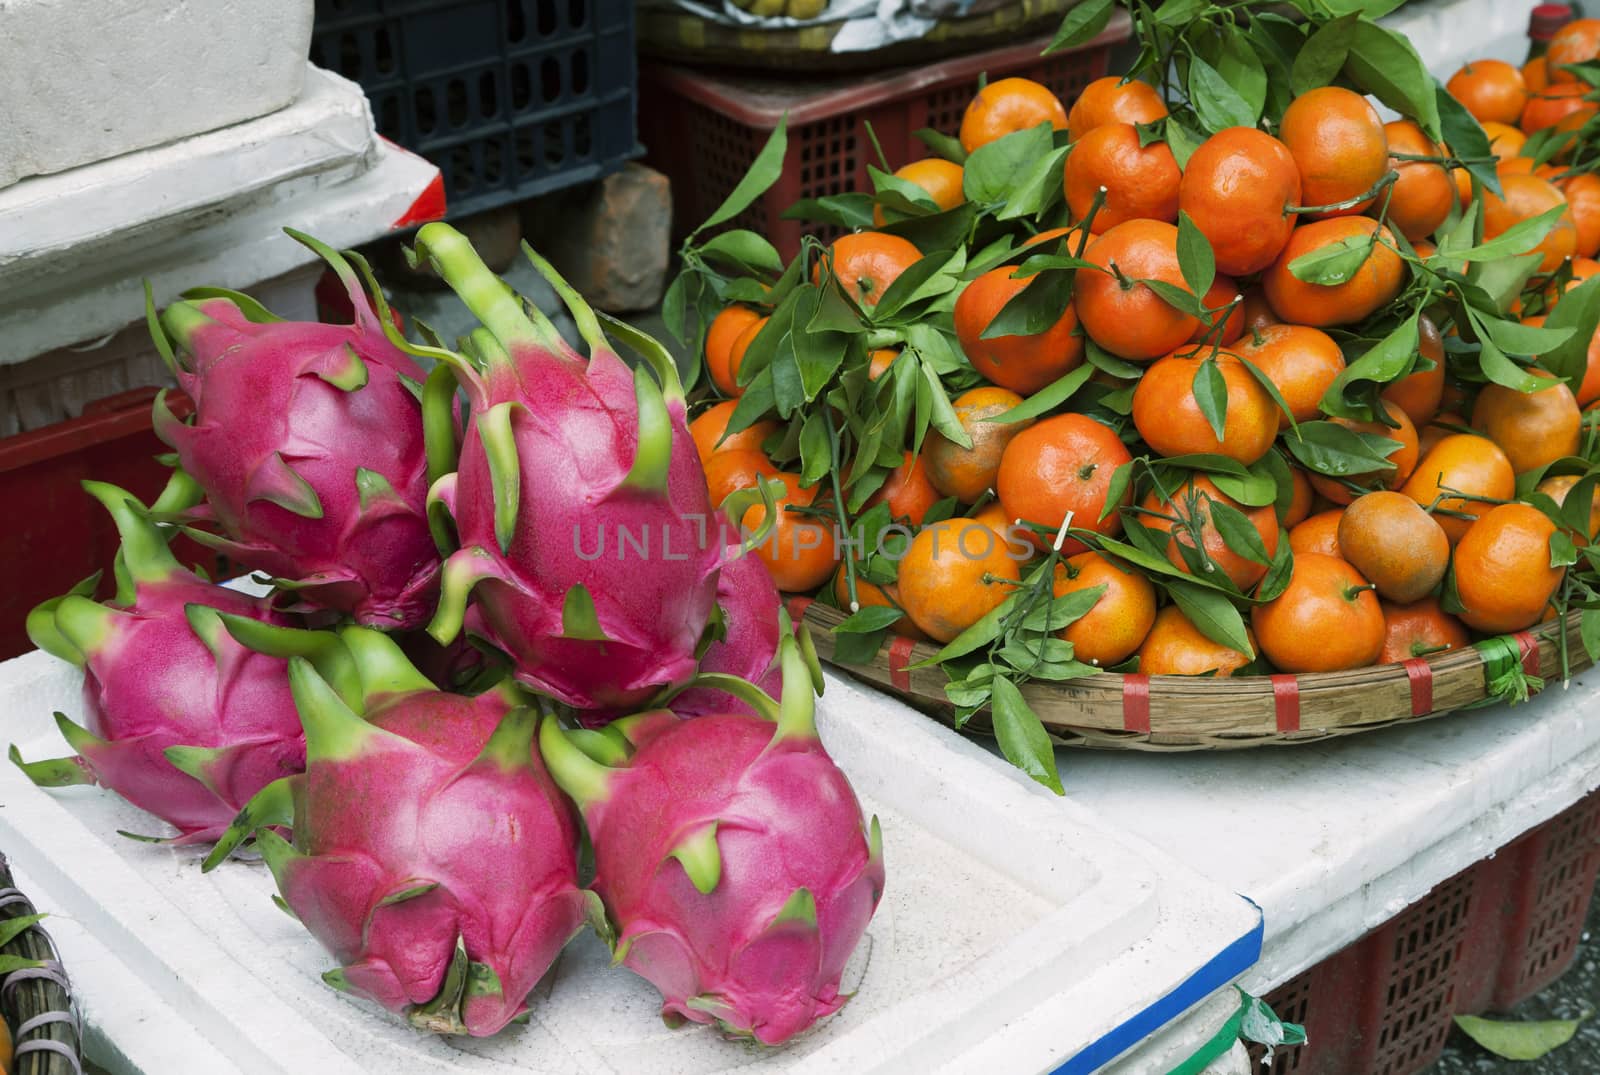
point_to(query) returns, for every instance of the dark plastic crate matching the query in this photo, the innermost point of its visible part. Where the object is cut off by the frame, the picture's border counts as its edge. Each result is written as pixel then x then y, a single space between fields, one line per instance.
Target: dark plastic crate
pixel 510 98
pixel 704 130
pixel 1485 940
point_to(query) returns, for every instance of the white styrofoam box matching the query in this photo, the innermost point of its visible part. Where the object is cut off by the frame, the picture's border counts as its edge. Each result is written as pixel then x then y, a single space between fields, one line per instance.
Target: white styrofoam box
pixel 340 184
pixel 1448 33
pixel 58 384
pixel 1013 932
pixel 1333 839
pixel 84 80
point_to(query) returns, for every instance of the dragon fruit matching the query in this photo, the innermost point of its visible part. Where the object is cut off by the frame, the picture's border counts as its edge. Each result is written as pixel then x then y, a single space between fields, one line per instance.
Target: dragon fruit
pixel 183 721
pixel 579 500
pixel 308 442
pixel 432 854
pixel 730 855
pixel 748 648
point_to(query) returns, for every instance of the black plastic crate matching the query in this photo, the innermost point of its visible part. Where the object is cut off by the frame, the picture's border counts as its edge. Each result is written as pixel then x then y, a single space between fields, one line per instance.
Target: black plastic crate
pixel 510 98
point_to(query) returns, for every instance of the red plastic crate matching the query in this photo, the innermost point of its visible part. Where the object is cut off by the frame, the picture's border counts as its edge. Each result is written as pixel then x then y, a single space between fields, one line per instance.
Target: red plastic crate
pixel 1486 939
pixel 56 534
pixel 703 131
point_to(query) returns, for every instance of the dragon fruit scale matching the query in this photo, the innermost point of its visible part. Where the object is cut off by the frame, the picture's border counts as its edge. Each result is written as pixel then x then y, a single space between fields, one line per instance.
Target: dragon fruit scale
pixel 748 649
pixel 183 721
pixel 579 499
pixel 731 857
pixel 308 441
pixel 432 854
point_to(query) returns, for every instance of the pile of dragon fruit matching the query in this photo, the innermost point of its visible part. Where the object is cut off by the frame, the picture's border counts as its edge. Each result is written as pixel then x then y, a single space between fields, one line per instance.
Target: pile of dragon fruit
pixel 447 687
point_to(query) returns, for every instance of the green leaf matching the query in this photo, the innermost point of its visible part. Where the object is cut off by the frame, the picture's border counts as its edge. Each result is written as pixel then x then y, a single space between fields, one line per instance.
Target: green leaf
pixel 900 195
pixel 764 172
pixel 1179 12
pixel 12 928
pixel 1212 614
pixel 1238 532
pixel 1589 630
pixel 1332 449
pixel 942 414
pixel 1109 363
pixel 1465 138
pixel 1218 104
pixel 1520 238
pixel 992 170
pixel 816 450
pixel 850 211
pixel 1518 1041
pixel 1035 308
pixel 1276 580
pixel 1047 398
pixel 922 279
pixel 858 649
pixel 1333 264
pixel 1578 310
pixel 1182 141
pixel 1211 393
pixel 870 619
pixel 941 144
pixel 1241 69
pixel 1082 24
pixel 1038 189
pixel 938 231
pixel 1323 55
pixel 1180 299
pixel 1383 63
pixel 675 305
pixel 1195 259
pixel 1493 362
pixel 1022 737
pixel 743 249
pixel 1383 363
pixel 1513 337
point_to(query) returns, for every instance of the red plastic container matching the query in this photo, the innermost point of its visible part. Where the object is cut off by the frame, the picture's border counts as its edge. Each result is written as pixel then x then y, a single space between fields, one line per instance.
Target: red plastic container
pixel 1485 940
pixel 56 534
pixel 703 131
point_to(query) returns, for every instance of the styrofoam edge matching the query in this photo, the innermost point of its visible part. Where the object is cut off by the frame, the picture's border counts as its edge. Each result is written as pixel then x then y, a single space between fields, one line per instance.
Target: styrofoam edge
pixel 68 214
pixel 1288 951
pixel 182 969
pixel 1208 936
pixel 1183 1039
pixel 127 1029
pixel 236 252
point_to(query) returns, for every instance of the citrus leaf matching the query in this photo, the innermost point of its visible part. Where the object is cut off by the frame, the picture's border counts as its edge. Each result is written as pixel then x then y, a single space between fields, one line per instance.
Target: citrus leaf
pixel 1322 56
pixel 1211 393
pixel 1082 24
pixel 1022 737
pixel 942 144
pixel 858 649
pixel 1383 63
pixel 1195 259
pixel 1238 532
pixel 1333 264
pixel 991 171
pixel 850 211
pixel 900 195
pixel 763 172
pixel 1047 398
pixel 1218 104
pixel 1035 308
pixel 1038 188
pixel 1332 449
pixel 1241 68
pixel 1520 238
pixel 744 249
pixel 1212 614
pixel 1518 1041
pixel 1578 310
pixel 868 620
pixel 1180 299
pixel 1465 137
pixel 1386 361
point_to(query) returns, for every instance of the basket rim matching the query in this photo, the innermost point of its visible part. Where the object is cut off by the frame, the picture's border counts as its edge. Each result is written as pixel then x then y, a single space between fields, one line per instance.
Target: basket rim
pixel 1114 709
pixel 37 1003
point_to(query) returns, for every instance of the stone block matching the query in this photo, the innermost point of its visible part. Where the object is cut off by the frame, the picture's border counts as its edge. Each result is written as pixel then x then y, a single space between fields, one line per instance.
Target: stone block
pixel 610 239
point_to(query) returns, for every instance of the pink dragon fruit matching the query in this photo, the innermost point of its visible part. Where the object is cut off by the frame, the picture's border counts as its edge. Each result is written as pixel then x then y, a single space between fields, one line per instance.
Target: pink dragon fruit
pixel 580 501
pixel 731 857
pixel 183 721
pixel 433 856
pixel 308 442
pixel 748 648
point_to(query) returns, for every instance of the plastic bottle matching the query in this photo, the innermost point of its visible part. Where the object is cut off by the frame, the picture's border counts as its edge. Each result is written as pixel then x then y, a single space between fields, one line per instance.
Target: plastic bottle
pixel 1543 23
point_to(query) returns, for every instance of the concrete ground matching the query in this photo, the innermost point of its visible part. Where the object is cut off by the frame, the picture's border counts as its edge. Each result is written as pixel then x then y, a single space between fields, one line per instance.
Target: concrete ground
pixel 1575 994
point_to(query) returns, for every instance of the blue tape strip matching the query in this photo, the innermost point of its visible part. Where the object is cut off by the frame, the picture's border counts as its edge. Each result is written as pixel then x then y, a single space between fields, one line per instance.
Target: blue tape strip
pixel 1221 969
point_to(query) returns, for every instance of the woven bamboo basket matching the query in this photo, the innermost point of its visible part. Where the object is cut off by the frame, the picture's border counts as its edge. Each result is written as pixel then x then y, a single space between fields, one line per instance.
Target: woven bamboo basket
pixel 1172 713
pixel 37 1002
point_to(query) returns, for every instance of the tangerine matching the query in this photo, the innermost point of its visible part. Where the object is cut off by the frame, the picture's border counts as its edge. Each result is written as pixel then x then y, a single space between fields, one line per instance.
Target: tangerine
pixel 733 469
pixel 1301 362
pixel 1023 364
pixel 1419 629
pixel 953 574
pixel 1111 100
pixel 1168 415
pixel 1008 106
pixel 1338 143
pixel 1237 188
pixel 1555 103
pixel 907 491
pixel 1176 647
pixel 1190 511
pixel 1319 533
pixel 1118 312
pixel 1373 286
pixel 721 336
pixel 1139 181
pixel 1424 193
pixel 1503 572
pixel 1532 428
pixel 1460 463
pixel 1063 464
pixel 1576 42
pixel 865 263
pixel 1492 90
pixel 939 178
pixel 968 473
pixel 1525 197
pixel 1399 547
pixel 1338 490
pixel 1118 622
pixel 800 551
pixel 710 431
pixel 1557 487
pixel 1582 192
pixel 1325 620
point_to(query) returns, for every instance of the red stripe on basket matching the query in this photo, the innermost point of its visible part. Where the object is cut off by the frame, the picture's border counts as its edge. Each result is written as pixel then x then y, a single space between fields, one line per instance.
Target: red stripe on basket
pixel 1420 673
pixel 1530 651
pixel 797 606
pixel 899 657
pixel 1286 702
pixel 1136 703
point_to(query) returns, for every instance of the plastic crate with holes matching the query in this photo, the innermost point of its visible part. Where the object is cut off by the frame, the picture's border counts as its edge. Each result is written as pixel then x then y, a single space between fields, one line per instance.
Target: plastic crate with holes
pixel 510 98
pixel 704 130
pixel 1485 940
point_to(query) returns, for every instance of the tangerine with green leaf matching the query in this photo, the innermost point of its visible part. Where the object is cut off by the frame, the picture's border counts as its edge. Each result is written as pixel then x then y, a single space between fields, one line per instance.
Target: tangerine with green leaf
pixel 1170 416
pixel 953 574
pixel 1063 464
pixel 1022 363
pixel 1176 516
pixel 1364 291
pixel 1237 188
pixel 1118 311
pixel 1326 619
pixel 968 473
pixel 1503 573
pixel 1119 621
